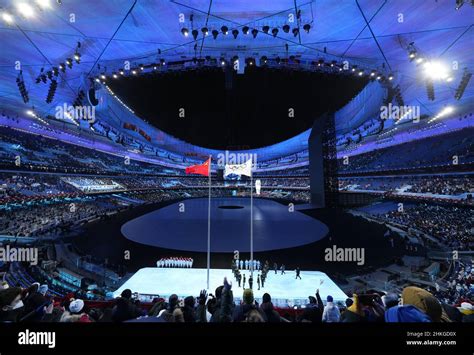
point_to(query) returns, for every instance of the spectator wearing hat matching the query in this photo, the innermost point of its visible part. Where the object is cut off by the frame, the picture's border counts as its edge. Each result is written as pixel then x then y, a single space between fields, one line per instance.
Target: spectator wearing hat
pixel 11 305
pixel 248 304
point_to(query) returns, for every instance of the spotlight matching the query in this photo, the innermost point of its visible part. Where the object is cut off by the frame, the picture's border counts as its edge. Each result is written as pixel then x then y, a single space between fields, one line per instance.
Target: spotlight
pixel 361 72
pixel 43 3
pixel 275 32
pixel 215 33
pixel 390 77
pixel 134 72
pixel 62 67
pixel 354 68
pixel 333 63
pixel 419 60
pixel 142 67
pixel 250 61
pixel 295 31
pixel 185 32
pixel 195 34
pixel 7 17
pixel 225 30
pixel 222 60
pixel 25 9
pixel 286 28
pixel 103 77
pixel 459 4
pixel 77 57
pixel 449 79
pixel 307 27
pixel 69 63
pixel 265 29
pixel 115 76
pixel 378 77
pixel 245 30
pixel 372 73
pixel 205 31
pixel 97 80
pixel 121 71
pixel 154 67
pixel 436 70
pixel 162 62
pixel 412 55
pixel 320 62
pixel 254 33
pixel 235 33
pixel 263 60
pixel 30 113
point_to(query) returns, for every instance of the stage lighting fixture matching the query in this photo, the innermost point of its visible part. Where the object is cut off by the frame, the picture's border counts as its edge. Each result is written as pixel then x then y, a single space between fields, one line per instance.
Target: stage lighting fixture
pixel 38 80
pixel 195 34
pixel 222 60
pixel 245 30
pixel 69 63
pixel 263 60
pixel 449 79
pixel 7 17
pixel 215 33
pixel 21 87
pixel 412 55
pixel 463 84
pixel 77 57
pixel 254 33
pixel 378 77
pixel 390 77
pixel 205 31
pixel 103 77
pixel 295 31
pixel 225 30
pixel 419 60
pixel 51 91
pixel 250 61
pixel 372 73
pixel 97 80
pixel 121 71
pixel 55 71
pixel 286 28
pixel 49 74
pixel 134 72
pixel 320 62
pixel 430 90
pixel 44 79
pixel 30 113
pixel 266 28
pixel 235 33
pixel 62 67
pixel 459 4
pixel 115 76
pixel 361 72
pixel 162 61
pixel 333 63
pixel 154 67
pixel 307 27
pixel 25 9
pixel 435 70
pixel 354 68
pixel 278 60
pixel 275 32
pixel 45 4
pixel 142 67
pixel 185 32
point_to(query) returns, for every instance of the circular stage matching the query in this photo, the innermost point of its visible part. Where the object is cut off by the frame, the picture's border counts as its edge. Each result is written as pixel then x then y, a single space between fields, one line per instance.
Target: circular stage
pixel 183 226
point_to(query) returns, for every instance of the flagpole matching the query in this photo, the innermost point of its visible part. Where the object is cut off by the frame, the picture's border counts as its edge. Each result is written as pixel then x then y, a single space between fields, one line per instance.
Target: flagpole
pixel 209 227
pixel 251 221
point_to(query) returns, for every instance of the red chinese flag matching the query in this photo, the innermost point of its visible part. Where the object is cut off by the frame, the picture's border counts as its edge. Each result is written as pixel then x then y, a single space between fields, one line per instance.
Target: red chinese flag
pixel 201 169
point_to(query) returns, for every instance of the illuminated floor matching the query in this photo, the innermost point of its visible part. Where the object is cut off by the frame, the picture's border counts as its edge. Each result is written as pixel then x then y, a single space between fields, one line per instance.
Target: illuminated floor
pixel 284 289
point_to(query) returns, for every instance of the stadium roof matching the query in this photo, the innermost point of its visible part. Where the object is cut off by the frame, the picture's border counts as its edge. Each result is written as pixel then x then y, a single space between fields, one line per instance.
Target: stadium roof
pixel 373 34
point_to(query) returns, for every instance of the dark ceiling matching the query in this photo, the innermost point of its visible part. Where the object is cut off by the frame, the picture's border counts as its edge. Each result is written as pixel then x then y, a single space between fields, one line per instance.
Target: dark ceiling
pixel 225 110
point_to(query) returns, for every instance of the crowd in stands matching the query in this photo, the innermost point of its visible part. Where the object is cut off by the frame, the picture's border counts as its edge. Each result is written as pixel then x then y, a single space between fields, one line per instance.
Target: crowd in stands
pixel 414 304
pixel 429 152
pixel 175 262
pixel 451 225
